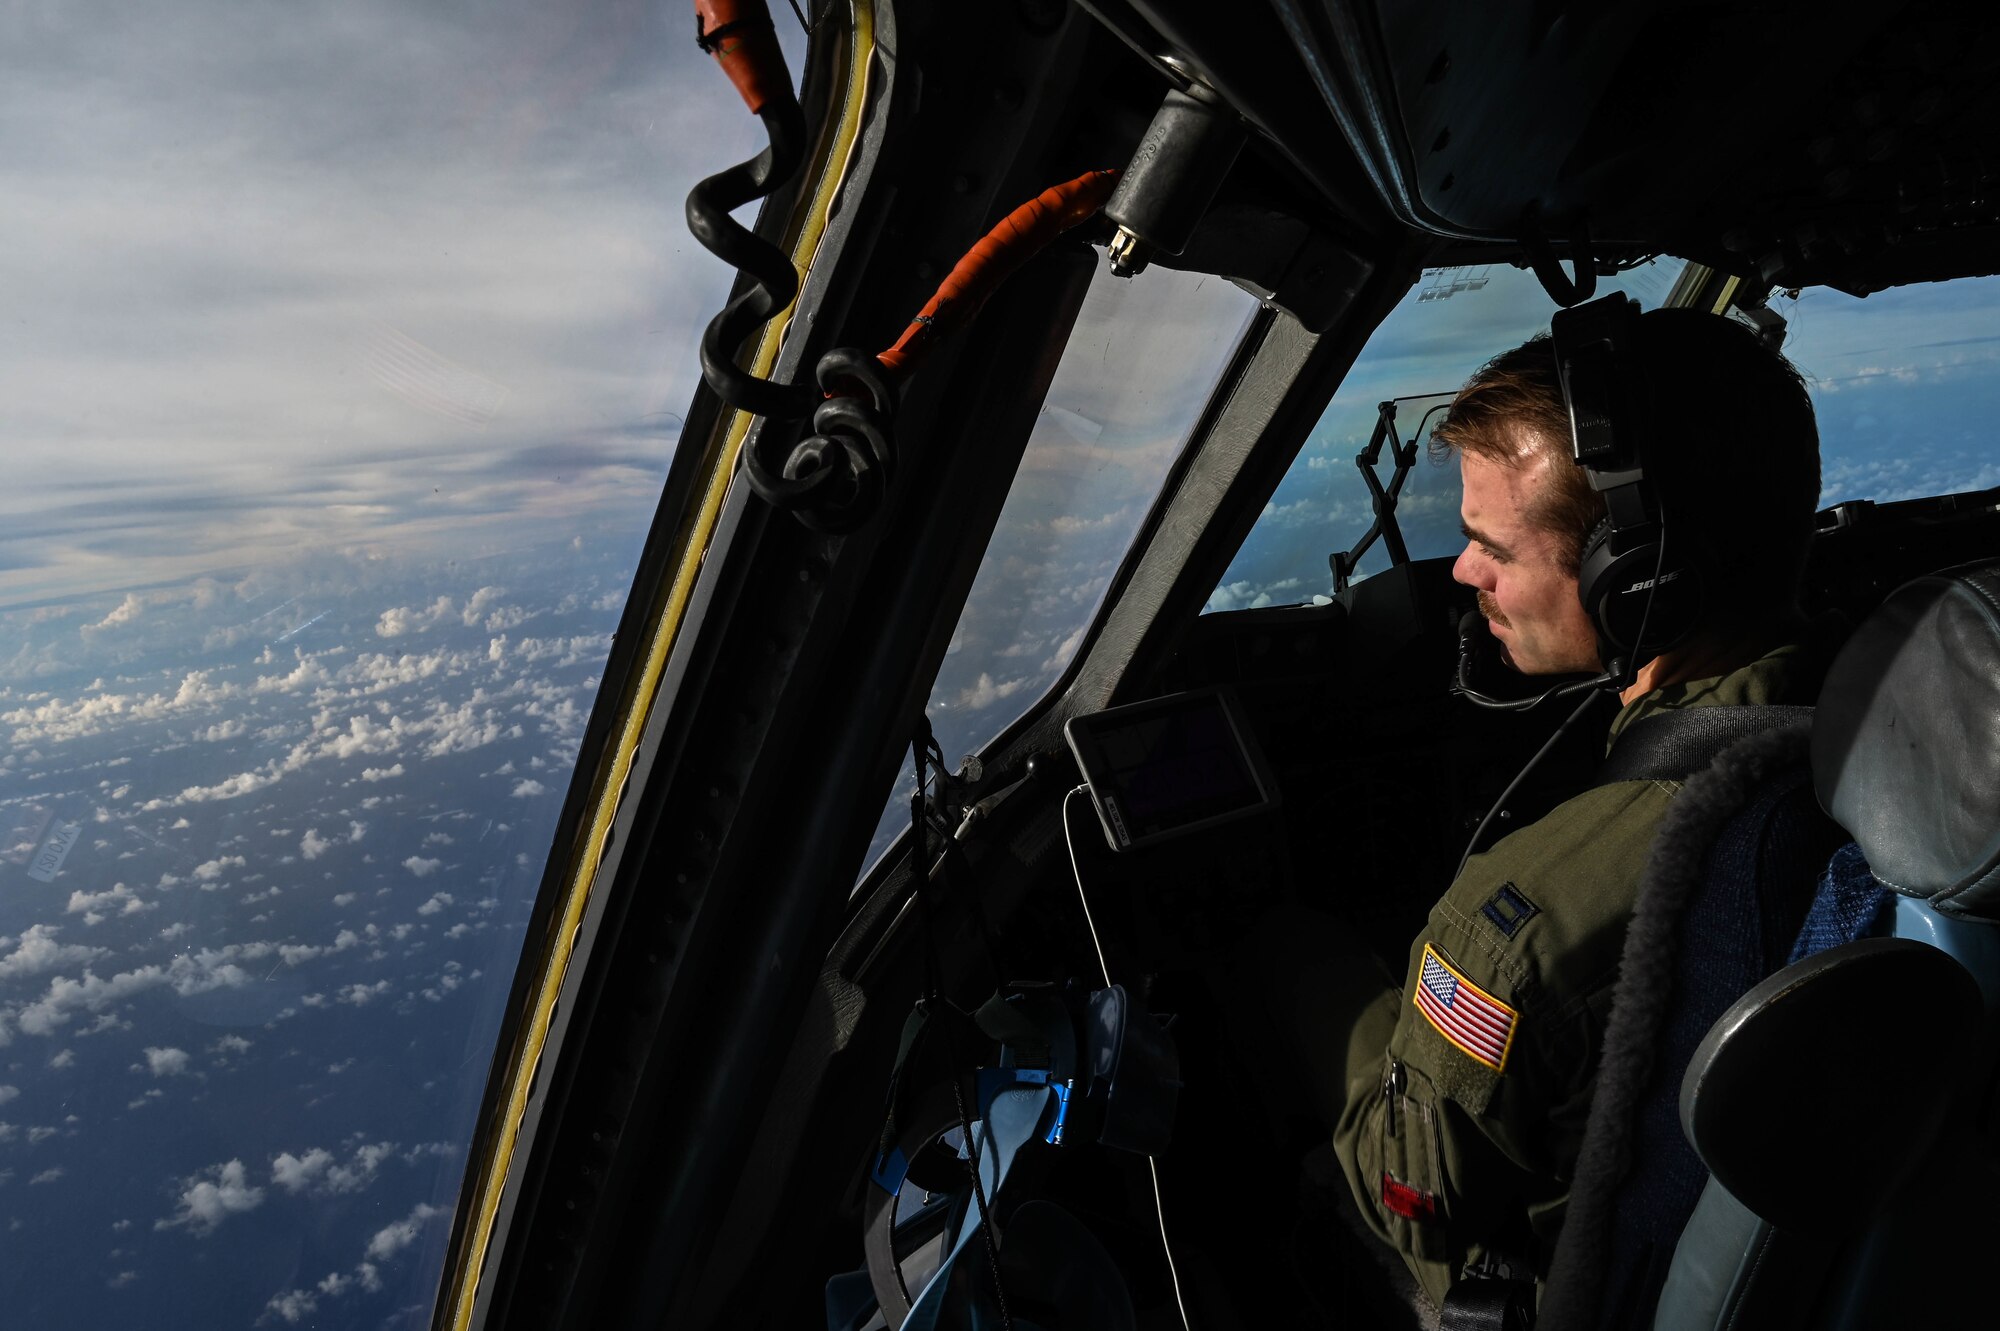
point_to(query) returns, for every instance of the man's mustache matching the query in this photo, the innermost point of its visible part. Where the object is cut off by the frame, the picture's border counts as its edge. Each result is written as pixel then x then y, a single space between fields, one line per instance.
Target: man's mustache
pixel 1491 609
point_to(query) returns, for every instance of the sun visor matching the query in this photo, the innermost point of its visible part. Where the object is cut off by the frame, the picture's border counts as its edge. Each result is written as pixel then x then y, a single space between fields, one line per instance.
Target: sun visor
pixel 1906 741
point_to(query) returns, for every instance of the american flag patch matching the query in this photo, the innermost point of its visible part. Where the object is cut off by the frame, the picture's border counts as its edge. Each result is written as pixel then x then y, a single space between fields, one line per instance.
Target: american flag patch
pixel 1463 1013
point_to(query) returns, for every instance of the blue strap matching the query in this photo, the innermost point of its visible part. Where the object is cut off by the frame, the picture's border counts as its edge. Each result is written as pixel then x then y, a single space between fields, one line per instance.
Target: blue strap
pixel 1010 1122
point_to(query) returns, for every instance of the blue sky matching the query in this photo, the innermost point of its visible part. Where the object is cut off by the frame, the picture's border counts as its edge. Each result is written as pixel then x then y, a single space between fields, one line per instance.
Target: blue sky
pixel 1903 384
pixel 346 348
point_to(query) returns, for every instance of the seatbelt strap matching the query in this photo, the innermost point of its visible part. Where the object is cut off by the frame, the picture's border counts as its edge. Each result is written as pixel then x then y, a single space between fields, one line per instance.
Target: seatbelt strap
pixel 1673 745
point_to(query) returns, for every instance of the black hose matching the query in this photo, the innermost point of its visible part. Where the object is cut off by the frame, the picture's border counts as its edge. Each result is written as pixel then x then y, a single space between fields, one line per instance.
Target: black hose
pixel 774 281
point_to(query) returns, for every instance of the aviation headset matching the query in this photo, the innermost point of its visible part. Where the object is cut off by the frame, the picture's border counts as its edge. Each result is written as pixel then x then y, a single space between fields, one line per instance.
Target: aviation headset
pixel 1642 593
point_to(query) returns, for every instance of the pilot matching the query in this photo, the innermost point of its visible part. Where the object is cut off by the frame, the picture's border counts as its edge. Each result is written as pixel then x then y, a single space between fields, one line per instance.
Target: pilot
pixel 1457 1128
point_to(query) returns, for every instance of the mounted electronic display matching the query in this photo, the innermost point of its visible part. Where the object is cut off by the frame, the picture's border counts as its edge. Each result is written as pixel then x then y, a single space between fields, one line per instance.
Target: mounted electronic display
pixel 1165 767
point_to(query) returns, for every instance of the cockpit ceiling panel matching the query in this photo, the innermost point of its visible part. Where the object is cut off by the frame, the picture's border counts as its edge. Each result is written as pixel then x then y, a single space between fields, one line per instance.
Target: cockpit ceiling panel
pixel 1800 141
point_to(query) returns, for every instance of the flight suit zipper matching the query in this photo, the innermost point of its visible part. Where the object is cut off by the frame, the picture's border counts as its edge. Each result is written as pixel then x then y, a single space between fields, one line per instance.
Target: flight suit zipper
pixel 1393 1082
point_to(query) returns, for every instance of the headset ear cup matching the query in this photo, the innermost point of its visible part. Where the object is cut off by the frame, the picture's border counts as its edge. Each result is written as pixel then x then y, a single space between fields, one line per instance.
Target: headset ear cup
pixel 1623 589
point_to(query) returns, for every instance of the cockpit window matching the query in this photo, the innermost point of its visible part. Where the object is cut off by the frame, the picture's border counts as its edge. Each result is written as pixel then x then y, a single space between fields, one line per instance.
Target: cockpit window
pixel 1906 385
pixel 344 352
pixel 1449 324
pixel 1140 364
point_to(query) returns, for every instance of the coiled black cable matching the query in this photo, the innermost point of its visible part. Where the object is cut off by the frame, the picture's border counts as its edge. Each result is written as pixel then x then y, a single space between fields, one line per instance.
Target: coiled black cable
pixel 774 282
pixel 833 479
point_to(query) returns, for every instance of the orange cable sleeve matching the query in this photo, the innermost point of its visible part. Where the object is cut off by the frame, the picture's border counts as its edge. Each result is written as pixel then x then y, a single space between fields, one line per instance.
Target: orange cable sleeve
pixel 749 53
pixel 1019 236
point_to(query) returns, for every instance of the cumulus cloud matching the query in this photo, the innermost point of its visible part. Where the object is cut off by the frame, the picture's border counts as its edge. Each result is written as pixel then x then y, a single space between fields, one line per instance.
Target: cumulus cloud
pixel 421 867
pixel 292 1306
pixel 359 995
pixel 476 604
pixel 188 973
pixel 393 1238
pixel 117 899
pixel 525 789
pixel 56 720
pixel 986 691
pixel 320 1173
pixel 166 1062
pixel 210 1197
pixel 409 619
pixel 312 845
pixel 211 870
pixel 37 951
pixel 438 901
pixel 381 773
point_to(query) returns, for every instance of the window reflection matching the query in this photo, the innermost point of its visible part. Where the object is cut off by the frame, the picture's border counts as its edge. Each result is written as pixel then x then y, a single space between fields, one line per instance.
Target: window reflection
pixel 344 357
pixel 1447 326
pixel 1139 366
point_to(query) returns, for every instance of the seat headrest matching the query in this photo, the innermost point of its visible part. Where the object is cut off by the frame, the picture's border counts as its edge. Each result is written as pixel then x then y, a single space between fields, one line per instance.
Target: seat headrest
pixel 1906 741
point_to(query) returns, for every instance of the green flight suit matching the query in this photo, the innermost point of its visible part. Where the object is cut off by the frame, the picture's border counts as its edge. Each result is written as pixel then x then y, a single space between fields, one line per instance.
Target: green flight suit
pixel 1462 1122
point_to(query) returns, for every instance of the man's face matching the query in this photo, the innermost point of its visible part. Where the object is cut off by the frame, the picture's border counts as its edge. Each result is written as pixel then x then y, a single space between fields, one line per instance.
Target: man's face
pixel 1528 597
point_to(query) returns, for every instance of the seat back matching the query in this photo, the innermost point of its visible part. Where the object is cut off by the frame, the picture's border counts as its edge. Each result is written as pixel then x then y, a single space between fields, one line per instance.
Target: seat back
pixel 1906 756
pixel 1730 879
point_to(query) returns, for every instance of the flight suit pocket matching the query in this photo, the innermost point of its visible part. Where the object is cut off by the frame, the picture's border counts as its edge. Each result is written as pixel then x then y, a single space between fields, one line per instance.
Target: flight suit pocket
pixel 1406 1175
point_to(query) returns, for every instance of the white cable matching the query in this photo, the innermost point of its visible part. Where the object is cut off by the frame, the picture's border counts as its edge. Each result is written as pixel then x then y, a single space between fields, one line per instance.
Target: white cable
pixel 1152 1162
pixel 1077 875
pixel 1160 1209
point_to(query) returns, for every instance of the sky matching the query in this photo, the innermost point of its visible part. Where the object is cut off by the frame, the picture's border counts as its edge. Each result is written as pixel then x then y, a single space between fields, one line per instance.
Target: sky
pixel 367 275
pixel 1903 383
pixel 344 354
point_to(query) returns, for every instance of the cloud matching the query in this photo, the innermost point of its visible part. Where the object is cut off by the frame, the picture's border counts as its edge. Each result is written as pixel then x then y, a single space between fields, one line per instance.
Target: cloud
pixel 58 721
pixel 405 619
pixel 98 906
pixel 422 868
pixel 127 610
pixel 8 1093
pixel 986 691
pixel 476 604
pixel 211 870
pixel 381 773
pixel 393 1238
pixel 188 973
pixel 312 845
pixel 525 788
pixel 210 1197
pixel 438 901
pixel 166 1062
pixel 49 1175
pixel 320 1173
pixel 292 1306
pixel 37 951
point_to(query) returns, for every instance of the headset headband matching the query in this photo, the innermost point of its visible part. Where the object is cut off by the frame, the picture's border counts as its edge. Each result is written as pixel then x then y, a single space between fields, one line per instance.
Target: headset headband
pixel 1630 585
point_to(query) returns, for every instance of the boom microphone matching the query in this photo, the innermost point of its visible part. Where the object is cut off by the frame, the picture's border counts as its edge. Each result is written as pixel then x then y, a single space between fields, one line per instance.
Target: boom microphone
pixel 1471 626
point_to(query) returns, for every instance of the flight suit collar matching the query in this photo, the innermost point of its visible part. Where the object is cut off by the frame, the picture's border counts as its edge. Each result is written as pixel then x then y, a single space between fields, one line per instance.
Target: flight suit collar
pixel 1788 673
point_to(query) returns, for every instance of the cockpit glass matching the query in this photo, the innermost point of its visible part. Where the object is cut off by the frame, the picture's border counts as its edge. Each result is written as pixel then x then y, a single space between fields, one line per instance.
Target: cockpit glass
pixel 344 349
pixel 1447 326
pixel 1905 383
pixel 1140 364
